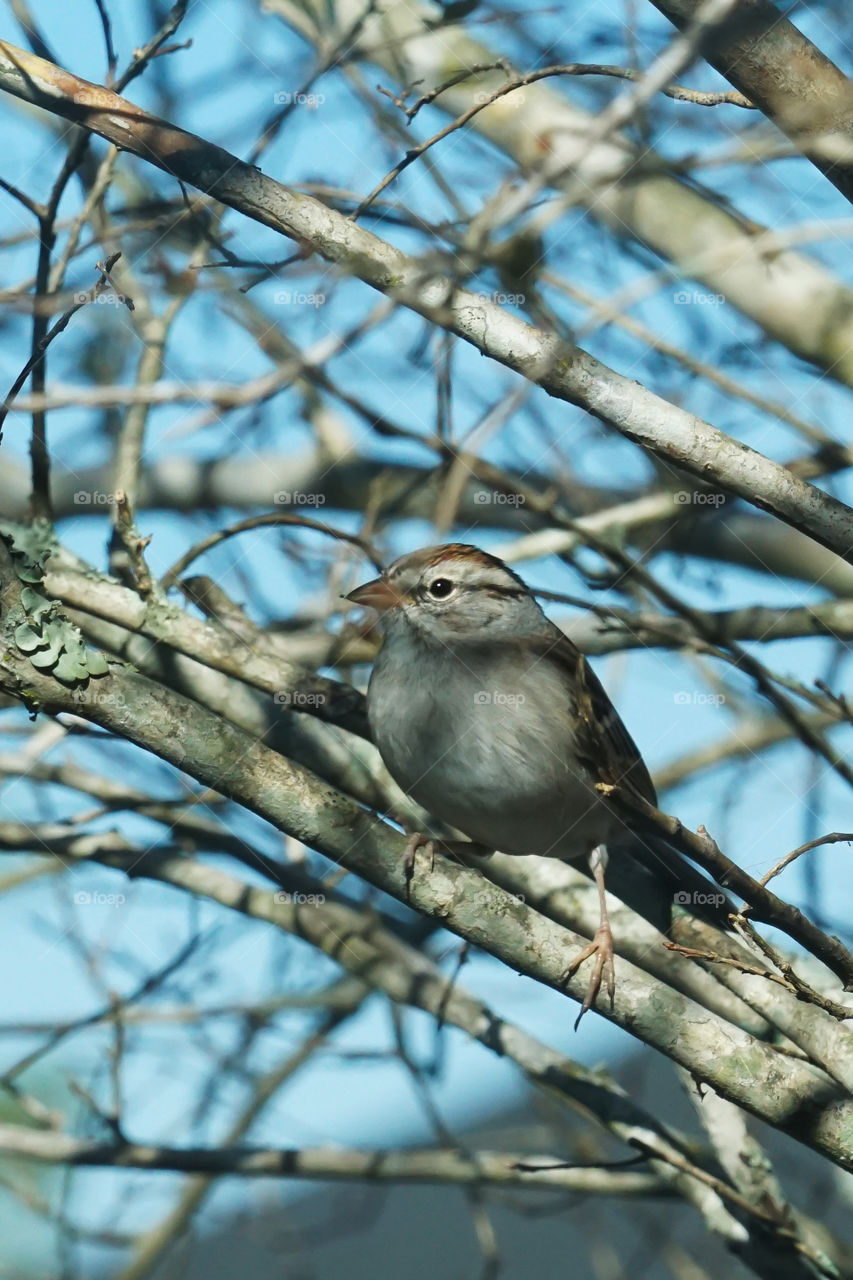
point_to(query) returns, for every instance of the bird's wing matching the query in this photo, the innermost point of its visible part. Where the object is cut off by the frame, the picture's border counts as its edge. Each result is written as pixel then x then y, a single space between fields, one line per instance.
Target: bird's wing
pixel 603 743
pixel 610 754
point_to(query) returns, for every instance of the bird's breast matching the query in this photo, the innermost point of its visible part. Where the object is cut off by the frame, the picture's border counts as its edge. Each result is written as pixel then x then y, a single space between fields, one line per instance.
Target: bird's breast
pixel 487 750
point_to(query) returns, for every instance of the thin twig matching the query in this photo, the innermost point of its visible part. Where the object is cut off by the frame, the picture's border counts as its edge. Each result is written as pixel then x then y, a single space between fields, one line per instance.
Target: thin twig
pixel 62 323
pixel 762 904
pixel 679 92
pixel 834 837
pixel 258 522
pixel 133 543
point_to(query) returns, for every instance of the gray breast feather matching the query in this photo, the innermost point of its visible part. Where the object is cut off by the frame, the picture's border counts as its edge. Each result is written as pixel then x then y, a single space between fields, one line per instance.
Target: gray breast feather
pixel 487 747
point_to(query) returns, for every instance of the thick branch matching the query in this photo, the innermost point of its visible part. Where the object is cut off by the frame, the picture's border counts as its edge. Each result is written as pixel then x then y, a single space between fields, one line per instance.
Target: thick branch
pixel 294 688
pixel 796 86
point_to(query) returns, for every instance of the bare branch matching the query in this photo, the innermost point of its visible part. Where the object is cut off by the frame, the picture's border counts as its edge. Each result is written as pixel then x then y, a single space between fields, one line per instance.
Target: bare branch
pixel 480 1168
pixel 788 77
pixel 568 373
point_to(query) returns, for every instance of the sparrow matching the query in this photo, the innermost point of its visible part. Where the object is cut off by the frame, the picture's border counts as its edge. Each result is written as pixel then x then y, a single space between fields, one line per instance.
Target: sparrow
pixel 490 718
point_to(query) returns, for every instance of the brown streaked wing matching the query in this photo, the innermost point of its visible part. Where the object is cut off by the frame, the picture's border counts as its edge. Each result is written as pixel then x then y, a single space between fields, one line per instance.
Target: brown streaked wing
pixel 604 744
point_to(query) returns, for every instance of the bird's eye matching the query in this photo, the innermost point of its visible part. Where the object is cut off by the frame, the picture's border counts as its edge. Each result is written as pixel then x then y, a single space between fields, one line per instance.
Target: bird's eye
pixel 440 588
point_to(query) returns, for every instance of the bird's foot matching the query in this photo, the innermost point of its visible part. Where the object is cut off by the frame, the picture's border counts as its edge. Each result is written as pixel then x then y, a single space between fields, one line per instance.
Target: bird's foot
pixel 459 850
pixel 602 971
pixel 416 841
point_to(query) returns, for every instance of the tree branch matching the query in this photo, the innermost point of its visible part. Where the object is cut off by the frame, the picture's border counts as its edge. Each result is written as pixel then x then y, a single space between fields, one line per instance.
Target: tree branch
pixel 567 372
pixel 753 1075
pixel 806 95
pixel 479 1168
pixel 630 189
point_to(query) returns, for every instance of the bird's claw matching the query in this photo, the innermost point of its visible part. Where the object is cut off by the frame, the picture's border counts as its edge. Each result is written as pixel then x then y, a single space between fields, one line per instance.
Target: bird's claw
pixel 416 841
pixel 602 971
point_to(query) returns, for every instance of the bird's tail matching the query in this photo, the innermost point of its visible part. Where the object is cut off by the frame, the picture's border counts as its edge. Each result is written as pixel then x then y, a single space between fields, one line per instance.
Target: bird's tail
pixel 654 879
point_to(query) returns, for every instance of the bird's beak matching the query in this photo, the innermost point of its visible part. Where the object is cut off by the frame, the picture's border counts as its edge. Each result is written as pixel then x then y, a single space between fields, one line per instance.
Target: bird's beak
pixel 377 594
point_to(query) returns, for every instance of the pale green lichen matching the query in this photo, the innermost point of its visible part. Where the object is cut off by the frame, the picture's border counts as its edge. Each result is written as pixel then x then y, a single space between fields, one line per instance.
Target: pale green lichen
pixel 39 630
pixel 32 542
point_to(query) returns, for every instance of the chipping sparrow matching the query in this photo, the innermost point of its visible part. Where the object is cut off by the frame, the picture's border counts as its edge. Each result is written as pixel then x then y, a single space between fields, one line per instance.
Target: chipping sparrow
pixel 488 716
